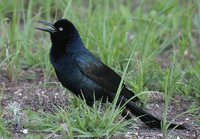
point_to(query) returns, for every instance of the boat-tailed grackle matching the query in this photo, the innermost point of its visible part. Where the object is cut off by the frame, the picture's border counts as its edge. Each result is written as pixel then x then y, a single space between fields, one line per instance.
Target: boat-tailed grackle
pixel 82 73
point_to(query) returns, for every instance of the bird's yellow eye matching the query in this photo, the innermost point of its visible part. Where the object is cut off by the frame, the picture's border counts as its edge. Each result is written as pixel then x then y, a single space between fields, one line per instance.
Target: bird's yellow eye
pixel 61 28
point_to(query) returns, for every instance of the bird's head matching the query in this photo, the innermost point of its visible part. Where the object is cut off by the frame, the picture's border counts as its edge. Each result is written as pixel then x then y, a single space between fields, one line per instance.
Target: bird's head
pixel 61 32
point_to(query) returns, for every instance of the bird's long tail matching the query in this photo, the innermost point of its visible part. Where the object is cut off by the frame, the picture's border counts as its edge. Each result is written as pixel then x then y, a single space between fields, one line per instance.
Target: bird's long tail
pixel 144 116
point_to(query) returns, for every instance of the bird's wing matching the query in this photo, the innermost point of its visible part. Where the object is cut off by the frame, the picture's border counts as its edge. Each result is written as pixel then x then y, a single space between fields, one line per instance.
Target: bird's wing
pixel 99 72
pixel 104 76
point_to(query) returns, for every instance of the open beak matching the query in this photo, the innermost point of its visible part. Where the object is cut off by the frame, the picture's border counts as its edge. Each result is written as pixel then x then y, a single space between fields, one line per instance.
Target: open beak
pixel 50 30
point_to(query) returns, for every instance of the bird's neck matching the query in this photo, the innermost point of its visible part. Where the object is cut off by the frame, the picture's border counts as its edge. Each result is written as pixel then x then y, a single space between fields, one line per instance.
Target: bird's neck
pixel 60 49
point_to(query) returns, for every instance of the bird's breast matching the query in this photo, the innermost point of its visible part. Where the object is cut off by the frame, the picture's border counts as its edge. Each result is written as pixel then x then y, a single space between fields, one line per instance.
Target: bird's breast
pixel 72 78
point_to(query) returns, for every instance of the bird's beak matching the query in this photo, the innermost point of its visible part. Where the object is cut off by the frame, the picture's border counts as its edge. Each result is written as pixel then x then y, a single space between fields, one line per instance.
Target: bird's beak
pixel 50 30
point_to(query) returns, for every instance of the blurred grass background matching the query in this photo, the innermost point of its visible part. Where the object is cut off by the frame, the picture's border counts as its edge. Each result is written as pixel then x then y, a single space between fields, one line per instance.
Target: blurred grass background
pixel 165 37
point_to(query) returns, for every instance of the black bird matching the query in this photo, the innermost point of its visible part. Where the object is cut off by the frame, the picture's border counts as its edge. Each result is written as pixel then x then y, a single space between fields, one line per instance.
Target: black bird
pixel 85 75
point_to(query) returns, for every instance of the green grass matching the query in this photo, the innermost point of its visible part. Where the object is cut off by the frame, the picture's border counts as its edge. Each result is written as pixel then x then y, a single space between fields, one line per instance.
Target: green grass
pixel 155 30
pixel 79 121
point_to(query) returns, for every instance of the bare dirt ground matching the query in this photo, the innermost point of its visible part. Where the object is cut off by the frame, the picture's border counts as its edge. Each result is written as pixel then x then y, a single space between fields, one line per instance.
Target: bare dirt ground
pixel 31 92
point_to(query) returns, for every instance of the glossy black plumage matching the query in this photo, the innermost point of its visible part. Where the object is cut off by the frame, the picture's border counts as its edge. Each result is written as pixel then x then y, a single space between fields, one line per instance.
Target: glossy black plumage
pixel 84 74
